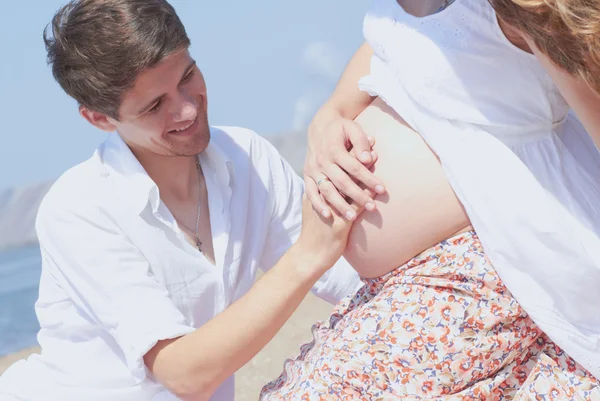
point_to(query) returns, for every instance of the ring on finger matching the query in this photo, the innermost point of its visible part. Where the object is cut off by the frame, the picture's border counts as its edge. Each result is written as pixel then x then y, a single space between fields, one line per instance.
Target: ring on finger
pixel 322 180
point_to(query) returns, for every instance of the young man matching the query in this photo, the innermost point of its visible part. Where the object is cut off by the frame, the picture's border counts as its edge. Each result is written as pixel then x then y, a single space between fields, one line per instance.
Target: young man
pixel 148 245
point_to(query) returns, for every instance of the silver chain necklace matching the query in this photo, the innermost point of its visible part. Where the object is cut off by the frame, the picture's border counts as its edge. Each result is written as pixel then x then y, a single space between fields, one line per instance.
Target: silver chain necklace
pixel 198 242
pixel 444 5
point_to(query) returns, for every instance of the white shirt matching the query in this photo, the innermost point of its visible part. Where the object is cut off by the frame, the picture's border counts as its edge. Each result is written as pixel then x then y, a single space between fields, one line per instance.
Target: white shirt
pixel 118 275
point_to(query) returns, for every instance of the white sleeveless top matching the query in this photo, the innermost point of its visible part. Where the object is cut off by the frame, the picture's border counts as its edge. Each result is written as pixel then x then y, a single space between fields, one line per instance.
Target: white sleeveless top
pixel 523 166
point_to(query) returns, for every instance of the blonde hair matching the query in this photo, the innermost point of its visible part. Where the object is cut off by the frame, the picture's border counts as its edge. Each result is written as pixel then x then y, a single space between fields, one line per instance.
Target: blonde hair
pixel 567 31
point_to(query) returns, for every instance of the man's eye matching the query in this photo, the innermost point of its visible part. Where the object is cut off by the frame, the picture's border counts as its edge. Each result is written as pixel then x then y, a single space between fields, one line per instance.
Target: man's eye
pixel 188 76
pixel 154 108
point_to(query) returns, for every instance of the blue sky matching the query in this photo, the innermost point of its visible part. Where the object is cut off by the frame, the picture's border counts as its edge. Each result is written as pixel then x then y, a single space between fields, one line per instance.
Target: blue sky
pixel 268 64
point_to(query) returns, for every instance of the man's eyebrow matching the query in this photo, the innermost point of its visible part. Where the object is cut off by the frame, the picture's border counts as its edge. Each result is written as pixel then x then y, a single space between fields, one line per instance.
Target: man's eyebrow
pixel 149 104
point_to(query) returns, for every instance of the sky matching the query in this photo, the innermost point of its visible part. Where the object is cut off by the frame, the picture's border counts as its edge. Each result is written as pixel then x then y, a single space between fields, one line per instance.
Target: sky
pixel 268 64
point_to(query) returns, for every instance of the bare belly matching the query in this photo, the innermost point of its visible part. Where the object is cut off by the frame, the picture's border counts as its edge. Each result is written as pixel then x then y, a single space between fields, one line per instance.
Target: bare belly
pixel 419 209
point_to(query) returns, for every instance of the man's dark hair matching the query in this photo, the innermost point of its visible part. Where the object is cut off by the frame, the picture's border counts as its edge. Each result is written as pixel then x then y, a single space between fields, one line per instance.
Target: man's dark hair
pixel 98 48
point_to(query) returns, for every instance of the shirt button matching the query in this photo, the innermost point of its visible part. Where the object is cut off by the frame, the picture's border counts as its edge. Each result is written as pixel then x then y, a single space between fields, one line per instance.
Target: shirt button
pixel 382 50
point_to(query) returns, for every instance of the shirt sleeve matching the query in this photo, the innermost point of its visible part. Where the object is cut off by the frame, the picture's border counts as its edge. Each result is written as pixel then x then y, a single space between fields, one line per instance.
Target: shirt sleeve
pixel 286 189
pixel 109 281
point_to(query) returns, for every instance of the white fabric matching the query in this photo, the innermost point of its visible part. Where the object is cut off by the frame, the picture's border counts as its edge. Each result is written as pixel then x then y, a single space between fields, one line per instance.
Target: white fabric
pixel 522 165
pixel 118 275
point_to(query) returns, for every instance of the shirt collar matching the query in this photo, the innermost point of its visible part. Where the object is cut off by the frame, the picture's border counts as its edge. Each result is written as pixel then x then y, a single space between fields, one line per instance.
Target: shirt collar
pixel 131 176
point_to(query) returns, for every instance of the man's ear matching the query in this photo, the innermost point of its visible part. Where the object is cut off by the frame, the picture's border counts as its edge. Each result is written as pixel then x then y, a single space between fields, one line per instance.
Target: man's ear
pixel 97 119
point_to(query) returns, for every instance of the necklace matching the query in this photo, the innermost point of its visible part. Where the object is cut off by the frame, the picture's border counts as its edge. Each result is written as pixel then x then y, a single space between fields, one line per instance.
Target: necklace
pixel 198 242
pixel 444 5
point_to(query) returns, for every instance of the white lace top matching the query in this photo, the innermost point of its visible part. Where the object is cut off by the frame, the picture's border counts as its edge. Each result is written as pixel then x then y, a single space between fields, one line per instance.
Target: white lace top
pixel 523 166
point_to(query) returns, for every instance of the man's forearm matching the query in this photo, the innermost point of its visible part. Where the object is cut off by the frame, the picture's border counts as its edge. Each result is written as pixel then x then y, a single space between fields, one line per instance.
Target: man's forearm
pixel 195 365
pixel 347 100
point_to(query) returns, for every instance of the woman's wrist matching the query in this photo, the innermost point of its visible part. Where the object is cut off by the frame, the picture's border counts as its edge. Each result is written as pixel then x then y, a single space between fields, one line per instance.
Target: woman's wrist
pixel 323 117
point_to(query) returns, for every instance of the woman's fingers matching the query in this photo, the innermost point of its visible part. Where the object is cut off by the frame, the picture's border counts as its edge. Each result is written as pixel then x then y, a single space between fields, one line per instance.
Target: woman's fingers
pixel 361 143
pixel 360 173
pixel 349 189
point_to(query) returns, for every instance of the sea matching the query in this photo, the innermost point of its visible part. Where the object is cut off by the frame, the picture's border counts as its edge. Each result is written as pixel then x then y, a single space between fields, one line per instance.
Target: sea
pixel 19 281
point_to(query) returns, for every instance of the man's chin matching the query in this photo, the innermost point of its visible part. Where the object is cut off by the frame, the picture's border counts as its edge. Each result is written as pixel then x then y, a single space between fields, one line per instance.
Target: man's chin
pixel 194 146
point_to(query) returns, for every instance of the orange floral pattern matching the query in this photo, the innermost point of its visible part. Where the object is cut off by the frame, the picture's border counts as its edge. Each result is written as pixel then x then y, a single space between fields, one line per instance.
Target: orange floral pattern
pixel 441 327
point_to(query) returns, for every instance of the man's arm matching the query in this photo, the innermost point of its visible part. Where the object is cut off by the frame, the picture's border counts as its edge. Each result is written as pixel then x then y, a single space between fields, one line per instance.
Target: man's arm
pixel 107 277
pixel 112 283
pixel 194 366
pixel 286 189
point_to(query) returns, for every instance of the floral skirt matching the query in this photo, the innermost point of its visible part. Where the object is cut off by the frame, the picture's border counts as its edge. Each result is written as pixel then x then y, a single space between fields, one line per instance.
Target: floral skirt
pixel 440 327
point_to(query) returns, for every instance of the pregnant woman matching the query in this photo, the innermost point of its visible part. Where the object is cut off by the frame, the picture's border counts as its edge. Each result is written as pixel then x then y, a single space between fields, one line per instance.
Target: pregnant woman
pixel 497 195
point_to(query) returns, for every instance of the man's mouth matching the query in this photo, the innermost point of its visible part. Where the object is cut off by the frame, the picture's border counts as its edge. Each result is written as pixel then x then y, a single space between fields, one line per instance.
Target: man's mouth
pixel 184 128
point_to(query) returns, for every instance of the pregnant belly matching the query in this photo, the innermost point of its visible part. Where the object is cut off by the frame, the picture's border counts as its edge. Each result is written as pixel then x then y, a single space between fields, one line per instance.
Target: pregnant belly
pixel 419 209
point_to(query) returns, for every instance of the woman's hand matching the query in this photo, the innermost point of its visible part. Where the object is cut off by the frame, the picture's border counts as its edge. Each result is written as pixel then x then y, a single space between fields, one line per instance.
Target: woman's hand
pixel 322 240
pixel 338 160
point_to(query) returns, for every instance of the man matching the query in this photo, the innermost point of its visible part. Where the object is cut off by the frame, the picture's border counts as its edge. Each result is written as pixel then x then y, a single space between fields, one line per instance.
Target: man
pixel 147 245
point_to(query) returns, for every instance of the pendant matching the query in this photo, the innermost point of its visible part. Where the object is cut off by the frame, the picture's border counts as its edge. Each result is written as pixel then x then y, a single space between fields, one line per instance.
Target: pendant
pixel 199 244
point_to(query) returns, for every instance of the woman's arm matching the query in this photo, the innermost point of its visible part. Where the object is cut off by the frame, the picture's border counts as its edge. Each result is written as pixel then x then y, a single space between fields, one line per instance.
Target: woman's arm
pixel 347 100
pixel 331 135
pixel 584 101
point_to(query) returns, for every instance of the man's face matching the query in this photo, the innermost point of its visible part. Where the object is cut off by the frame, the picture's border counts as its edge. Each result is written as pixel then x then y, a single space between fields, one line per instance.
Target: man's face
pixel 165 113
